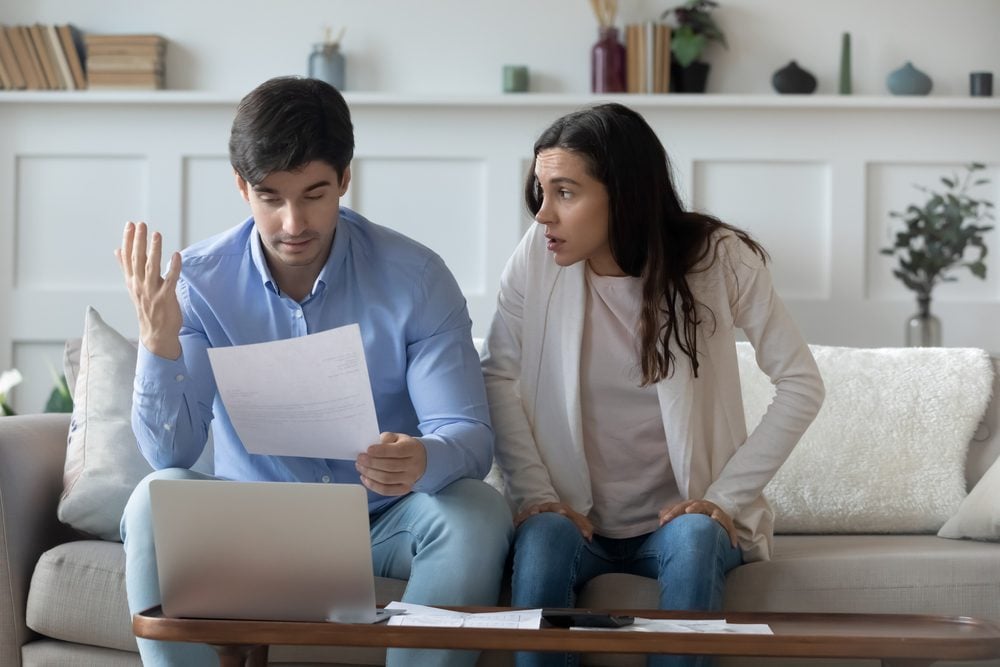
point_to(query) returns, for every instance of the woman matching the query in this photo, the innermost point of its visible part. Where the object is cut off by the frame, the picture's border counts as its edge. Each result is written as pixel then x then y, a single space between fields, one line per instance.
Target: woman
pixel 613 383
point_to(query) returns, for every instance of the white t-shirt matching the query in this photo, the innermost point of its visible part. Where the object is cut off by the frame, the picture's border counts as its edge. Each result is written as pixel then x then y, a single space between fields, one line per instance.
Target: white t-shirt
pixel 623 437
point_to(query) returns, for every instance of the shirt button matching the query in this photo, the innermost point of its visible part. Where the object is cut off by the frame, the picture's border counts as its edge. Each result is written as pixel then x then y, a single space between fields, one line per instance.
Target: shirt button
pixel 298 314
pixel 326 478
pixel 179 377
pixel 166 427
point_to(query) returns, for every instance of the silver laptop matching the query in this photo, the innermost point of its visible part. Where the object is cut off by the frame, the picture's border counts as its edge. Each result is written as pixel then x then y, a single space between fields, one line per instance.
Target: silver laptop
pixel 263 550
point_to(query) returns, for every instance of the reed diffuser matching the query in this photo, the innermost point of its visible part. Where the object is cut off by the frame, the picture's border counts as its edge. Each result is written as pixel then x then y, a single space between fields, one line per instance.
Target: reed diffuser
pixel 326 62
pixel 607 58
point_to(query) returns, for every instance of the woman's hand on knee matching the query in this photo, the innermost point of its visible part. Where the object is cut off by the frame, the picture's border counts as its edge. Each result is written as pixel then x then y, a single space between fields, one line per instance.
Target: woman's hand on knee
pixel 706 507
pixel 584 525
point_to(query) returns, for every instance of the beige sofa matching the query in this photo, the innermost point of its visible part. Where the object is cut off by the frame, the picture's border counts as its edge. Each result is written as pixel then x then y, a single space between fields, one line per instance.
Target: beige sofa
pixel 62 596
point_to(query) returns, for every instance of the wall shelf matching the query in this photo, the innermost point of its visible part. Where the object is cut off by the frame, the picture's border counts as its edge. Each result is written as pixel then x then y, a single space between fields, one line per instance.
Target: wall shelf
pixel 680 101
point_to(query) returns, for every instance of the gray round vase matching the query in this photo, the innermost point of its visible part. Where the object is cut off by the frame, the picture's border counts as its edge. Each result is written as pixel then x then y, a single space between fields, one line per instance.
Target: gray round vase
pixel 908 80
pixel 792 79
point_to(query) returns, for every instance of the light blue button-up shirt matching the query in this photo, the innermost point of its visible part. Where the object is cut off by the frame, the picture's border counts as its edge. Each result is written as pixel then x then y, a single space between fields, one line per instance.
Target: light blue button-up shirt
pixel 416 331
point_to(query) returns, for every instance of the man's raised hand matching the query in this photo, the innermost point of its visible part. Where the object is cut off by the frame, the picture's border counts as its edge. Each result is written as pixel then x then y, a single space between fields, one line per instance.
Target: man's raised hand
pixel 154 296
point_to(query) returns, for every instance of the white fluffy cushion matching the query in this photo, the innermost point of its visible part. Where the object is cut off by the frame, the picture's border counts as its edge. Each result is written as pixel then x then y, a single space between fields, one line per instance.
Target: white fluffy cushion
pixel 978 517
pixel 103 463
pixel 886 453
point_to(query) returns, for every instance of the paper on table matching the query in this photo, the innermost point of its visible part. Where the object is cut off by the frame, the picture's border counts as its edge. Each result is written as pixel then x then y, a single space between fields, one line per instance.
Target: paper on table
pixel 306 396
pixel 420 615
pixel 714 626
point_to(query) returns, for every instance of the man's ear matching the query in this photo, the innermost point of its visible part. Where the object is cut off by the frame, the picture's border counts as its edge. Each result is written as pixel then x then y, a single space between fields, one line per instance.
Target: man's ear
pixel 242 185
pixel 345 180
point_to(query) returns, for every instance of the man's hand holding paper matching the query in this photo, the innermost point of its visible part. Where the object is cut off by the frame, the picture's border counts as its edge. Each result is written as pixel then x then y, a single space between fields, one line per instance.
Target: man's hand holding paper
pixel 393 466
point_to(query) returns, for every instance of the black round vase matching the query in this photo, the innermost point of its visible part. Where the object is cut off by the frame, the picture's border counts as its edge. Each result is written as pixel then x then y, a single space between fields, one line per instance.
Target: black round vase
pixel 792 79
pixel 690 79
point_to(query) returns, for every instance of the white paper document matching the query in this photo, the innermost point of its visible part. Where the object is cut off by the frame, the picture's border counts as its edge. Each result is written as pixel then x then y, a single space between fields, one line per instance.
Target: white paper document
pixel 306 396
pixel 420 615
pixel 714 626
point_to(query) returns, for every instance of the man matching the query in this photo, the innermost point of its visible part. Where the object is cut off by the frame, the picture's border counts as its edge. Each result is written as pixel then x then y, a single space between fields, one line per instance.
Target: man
pixel 302 264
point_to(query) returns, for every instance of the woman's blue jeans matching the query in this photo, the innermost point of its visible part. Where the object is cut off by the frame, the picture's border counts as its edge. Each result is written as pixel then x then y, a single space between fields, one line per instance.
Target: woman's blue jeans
pixel 689 557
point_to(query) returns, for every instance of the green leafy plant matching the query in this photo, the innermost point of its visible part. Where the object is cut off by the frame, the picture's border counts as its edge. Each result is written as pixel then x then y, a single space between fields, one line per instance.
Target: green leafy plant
pixel 694 29
pixel 60 399
pixel 937 234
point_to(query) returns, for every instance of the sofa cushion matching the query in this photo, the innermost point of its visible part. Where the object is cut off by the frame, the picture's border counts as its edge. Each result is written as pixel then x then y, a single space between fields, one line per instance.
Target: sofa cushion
pixel 90 573
pixel 836 573
pixel 871 574
pixel 103 463
pixel 846 573
pixel 71 363
pixel 53 653
pixel 978 517
pixel 889 442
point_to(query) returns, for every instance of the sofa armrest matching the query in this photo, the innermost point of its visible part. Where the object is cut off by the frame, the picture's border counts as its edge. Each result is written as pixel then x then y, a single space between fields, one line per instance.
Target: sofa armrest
pixel 32 455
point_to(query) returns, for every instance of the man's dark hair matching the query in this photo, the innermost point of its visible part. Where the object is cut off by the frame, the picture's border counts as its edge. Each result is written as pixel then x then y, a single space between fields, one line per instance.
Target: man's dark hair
pixel 650 233
pixel 287 122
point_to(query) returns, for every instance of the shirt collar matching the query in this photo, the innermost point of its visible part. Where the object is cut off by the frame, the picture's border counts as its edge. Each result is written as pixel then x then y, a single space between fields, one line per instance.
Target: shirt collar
pixel 326 275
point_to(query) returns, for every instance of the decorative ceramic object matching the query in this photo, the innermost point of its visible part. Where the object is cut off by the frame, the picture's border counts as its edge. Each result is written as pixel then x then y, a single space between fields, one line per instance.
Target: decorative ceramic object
pixel 607 63
pixel 908 80
pixel 845 64
pixel 515 79
pixel 981 84
pixel 792 79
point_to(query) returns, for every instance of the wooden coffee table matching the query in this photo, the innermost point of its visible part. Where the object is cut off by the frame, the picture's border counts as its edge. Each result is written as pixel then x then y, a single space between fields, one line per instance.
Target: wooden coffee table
pixel 898 640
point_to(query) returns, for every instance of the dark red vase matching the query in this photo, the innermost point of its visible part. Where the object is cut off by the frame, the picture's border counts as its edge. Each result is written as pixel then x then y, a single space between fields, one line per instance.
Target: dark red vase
pixel 607 63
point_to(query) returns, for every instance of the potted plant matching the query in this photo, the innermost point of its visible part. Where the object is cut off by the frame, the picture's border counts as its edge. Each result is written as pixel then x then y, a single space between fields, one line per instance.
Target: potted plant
pixel 943 234
pixel 693 29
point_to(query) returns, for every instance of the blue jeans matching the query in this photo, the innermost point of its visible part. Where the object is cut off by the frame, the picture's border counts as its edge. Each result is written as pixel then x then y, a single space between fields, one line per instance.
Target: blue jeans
pixel 689 557
pixel 451 546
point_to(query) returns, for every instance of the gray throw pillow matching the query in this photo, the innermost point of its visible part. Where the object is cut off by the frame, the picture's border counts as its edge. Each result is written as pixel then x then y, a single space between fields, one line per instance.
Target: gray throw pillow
pixel 103 463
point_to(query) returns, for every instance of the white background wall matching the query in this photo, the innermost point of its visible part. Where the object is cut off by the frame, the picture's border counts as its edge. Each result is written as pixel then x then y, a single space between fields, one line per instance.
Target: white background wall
pixel 459 46
pixel 814 183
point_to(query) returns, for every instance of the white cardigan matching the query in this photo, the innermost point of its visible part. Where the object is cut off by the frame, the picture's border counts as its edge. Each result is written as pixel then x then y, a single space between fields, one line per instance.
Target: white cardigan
pixel 531 362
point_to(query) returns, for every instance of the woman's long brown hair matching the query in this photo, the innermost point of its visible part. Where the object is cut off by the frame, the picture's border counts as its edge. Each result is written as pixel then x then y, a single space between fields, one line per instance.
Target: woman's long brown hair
pixel 650 234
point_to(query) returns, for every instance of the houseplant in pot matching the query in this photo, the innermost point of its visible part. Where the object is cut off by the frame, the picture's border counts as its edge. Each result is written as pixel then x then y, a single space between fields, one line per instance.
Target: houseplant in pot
pixel 942 234
pixel 693 28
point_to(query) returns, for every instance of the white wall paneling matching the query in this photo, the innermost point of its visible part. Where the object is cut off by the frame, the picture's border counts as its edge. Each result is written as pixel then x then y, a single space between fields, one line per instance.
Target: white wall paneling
pixel 59 237
pixel 813 177
pixel 446 208
pixel 211 199
pixel 786 206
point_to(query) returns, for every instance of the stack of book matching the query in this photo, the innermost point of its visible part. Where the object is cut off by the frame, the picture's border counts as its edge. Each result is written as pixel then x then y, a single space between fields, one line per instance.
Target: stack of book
pixel 41 57
pixel 647 57
pixel 125 61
